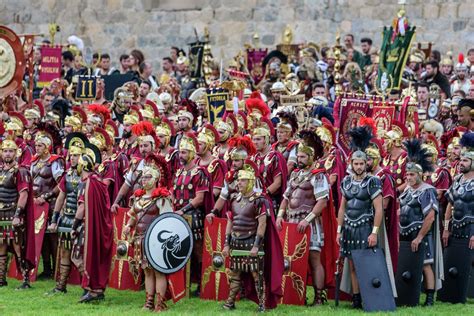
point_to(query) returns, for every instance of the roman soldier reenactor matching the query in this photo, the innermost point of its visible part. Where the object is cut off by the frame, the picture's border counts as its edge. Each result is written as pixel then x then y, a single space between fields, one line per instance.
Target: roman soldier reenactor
pixel 271 164
pixel 147 142
pixel 65 208
pixel 251 241
pixel 307 202
pixel 418 217
pixel 217 168
pixel 285 130
pixel 192 195
pixel 165 133
pixel 128 144
pixel 147 203
pixel 240 148
pixel 93 218
pixel 227 128
pixel 332 160
pixel 458 234
pixel 395 158
pixel 15 128
pixel 16 211
pixel 389 197
pixel 46 171
pixel 361 212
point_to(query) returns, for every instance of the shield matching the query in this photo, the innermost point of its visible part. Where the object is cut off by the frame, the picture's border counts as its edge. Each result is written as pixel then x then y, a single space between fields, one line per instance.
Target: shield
pixel 457 266
pixel 295 253
pixel 121 275
pixel 409 272
pixel 41 221
pixel 216 103
pixel 168 243
pixel 470 290
pixel 254 63
pixel 12 63
pixel 215 282
pixel 374 281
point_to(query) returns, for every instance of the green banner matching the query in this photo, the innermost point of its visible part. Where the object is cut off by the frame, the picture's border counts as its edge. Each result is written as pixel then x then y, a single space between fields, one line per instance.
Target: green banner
pixel 393 57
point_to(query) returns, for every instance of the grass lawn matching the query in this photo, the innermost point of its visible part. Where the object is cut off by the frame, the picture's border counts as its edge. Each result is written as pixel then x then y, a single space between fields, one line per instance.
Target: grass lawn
pixel 35 302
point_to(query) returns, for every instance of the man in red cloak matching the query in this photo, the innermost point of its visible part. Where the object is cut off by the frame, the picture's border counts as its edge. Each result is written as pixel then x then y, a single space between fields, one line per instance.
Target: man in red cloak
pixel 92 231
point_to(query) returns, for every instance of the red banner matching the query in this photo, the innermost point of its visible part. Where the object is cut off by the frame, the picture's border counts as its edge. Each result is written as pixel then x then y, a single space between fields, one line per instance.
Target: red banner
pixel 50 65
pixel 350 109
pixel 383 117
pixel 254 63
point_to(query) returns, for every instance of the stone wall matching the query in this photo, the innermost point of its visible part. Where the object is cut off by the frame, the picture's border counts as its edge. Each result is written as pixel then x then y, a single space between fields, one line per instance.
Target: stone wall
pixel 117 26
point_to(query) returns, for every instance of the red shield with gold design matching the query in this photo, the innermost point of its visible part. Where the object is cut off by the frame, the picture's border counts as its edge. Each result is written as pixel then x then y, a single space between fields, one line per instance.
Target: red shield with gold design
pixel 214 283
pixel 41 221
pixel 295 253
pixel 126 271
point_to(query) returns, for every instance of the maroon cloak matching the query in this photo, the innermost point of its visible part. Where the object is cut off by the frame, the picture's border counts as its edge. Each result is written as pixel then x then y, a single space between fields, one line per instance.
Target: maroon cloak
pixel 98 232
pixel 28 250
pixel 390 213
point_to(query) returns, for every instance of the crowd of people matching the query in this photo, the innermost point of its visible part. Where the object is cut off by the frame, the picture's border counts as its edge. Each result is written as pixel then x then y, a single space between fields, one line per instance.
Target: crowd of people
pixel 154 148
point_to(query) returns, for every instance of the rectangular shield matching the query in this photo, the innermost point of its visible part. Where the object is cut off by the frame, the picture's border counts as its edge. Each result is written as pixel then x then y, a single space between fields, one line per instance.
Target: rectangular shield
pixel 409 272
pixel 41 221
pixel 113 82
pixel 295 253
pixel 121 276
pixel 374 281
pixel 215 282
pixel 457 267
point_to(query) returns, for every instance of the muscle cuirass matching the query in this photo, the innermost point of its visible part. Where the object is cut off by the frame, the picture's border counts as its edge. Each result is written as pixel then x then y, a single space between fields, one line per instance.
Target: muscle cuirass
pixel 43 180
pixel 411 214
pixel 359 202
pixel 8 190
pixel 301 198
pixel 244 217
pixel 463 208
pixel 147 211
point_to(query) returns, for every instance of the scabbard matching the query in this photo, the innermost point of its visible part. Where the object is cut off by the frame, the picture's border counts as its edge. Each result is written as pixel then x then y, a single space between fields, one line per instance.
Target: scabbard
pixel 244 253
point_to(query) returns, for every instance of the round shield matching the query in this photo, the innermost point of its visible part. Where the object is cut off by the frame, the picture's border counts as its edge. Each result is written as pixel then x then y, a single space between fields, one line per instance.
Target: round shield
pixel 168 243
pixel 12 61
pixel 432 110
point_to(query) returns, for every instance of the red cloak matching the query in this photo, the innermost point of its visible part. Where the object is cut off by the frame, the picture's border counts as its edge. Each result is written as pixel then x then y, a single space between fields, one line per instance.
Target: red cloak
pixel 28 251
pixel 98 230
pixel 330 250
pixel 390 212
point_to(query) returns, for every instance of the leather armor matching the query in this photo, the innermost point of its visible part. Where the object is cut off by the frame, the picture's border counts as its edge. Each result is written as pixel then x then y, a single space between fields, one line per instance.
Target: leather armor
pixel 462 196
pixel 245 212
pixel 359 196
pixel 146 211
pixel 411 214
